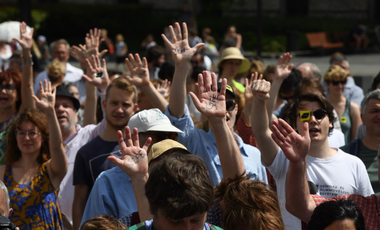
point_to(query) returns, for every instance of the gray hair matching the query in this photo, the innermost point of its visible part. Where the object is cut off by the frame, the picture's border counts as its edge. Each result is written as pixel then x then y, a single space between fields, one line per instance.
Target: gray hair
pixel 315 71
pixel 375 94
pixel 4 188
pixel 63 41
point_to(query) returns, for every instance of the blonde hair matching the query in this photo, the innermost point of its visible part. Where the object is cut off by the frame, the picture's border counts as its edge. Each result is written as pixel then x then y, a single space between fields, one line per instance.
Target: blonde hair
pixel 335 73
pixel 56 71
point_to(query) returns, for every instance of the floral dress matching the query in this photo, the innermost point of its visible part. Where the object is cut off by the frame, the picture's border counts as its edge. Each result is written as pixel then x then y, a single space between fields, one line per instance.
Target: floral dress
pixel 34 204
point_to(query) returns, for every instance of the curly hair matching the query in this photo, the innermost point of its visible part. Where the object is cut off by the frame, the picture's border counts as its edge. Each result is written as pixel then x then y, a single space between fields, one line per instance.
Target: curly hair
pixel 249 204
pixel 56 71
pixel 180 186
pixel 335 73
pixel 103 222
pixel 38 119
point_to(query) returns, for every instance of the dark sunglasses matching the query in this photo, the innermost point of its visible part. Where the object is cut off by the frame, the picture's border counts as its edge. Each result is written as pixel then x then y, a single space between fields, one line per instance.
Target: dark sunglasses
pixel 230 105
pixel 337 82
pixel 305 115
pixel 8 87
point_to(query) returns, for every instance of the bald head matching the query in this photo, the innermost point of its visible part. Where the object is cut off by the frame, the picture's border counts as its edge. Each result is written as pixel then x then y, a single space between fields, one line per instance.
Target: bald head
pixel 310 70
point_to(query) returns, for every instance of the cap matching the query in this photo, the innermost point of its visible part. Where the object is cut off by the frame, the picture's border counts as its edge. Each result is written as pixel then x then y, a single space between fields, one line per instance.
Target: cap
pixel 228 89
pixel 160 147
pixel 234 53
pixel 63 92
pixel 42 38
pixel 152 120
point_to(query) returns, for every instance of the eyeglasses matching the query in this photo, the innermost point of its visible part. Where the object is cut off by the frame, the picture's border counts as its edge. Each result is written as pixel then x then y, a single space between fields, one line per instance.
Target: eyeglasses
pixel 31 133
pixel 230 105
pixel 8 87
pixel 337 82
pixel 305 115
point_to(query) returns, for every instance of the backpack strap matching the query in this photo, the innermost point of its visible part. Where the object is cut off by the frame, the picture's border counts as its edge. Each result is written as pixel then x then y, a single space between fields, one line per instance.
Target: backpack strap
pixel 140 226
pixel 355 147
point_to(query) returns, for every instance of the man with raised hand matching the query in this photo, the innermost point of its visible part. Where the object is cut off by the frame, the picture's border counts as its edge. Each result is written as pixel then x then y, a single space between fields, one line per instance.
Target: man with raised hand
pixel 197 141
pixel 332 171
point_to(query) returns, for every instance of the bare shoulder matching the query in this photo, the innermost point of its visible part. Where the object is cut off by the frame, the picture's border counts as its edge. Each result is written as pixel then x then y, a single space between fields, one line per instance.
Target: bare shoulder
pixel 354 107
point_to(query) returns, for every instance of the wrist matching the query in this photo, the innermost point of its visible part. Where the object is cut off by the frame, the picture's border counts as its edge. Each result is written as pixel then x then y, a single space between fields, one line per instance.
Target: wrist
pixel 139 178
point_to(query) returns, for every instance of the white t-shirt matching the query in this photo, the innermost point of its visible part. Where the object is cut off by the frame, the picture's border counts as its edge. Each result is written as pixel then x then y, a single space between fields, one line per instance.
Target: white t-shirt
pixel 339 175
pixel 336 139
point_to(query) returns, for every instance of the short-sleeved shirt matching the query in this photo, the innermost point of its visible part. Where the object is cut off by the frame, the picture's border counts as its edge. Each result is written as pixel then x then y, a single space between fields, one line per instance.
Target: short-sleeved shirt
pixel 369 158
pixel 91 160
pixel 203 145
pixel 369 206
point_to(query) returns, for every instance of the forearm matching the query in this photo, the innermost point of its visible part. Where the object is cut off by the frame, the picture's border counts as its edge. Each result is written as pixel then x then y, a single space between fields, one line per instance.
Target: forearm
pixel 178 90
pixel 260 128
pixel 58 159
pixel 89 116
pixel 79 204
pixel 156 99
pixel 27 81
pixel 142 202
pixel 247 112
pixel 298 199
pixel 272 100
pixel 228 150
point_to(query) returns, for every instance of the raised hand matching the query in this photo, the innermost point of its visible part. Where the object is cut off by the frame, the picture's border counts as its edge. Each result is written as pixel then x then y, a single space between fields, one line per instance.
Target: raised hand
pixel 294 145
pixel 25 40
pixel 283 68
pixel 98 74
pixel 181 50
pixel 140 74
pixel 211 103
pixel 47 95
pixel 134 160
pixel 259 87
pixel 164 88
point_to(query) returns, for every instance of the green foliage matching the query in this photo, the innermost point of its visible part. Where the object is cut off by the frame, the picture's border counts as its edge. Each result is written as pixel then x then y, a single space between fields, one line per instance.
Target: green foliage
pixel 12 13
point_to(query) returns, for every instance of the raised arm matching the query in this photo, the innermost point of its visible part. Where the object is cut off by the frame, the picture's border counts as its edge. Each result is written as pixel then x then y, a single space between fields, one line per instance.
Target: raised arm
pixel 296 147
pixel 283 69
pixel 97 77
pixel 26 42
pixel 141 79
pixel 182 54
pixel 248 98
pixel 213 106
pixel 134 162
pixel 259 120
pixel 57 164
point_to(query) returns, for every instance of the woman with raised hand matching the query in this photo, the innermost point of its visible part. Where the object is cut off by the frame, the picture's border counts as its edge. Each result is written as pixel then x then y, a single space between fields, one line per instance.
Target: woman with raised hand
pixel 35 165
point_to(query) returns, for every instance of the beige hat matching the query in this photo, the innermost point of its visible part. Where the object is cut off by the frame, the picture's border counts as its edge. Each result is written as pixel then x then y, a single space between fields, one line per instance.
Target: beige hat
pixel 160 147
pixel 234 53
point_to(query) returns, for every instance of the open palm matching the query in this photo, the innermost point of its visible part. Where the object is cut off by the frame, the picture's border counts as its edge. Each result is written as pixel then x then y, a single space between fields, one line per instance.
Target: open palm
pixel 139 72
pixel 25 40
pixel 47 95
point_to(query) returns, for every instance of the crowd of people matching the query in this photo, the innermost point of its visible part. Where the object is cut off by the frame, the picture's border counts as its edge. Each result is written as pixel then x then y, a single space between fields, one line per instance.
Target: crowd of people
pixel 171 145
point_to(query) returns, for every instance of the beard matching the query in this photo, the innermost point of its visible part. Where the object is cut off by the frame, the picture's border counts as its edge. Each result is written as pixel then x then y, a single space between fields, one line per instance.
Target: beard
pixel 117 125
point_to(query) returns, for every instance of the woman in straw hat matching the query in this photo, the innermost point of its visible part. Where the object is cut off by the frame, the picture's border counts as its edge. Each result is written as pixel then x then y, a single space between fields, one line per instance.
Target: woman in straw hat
pixel 232 62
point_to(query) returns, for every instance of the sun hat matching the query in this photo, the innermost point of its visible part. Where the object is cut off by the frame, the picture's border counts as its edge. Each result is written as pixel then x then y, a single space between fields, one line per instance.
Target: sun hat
pixel 63 92
pixel 160 147
pixel 234 53
pixel 152 120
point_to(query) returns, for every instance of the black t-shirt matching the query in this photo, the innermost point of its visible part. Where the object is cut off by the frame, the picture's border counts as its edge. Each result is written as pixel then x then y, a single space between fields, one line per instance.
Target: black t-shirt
pixel 91 160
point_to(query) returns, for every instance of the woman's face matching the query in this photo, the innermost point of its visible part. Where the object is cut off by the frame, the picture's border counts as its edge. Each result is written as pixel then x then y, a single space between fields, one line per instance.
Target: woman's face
pixel 74 91
pixel 337 87
pixel 29 138
pixel 8 95
pixel 231 67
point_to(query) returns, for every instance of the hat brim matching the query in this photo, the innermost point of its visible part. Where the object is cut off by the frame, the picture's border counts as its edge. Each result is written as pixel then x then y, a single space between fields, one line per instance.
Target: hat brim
pixel 165 128
pixel 244 65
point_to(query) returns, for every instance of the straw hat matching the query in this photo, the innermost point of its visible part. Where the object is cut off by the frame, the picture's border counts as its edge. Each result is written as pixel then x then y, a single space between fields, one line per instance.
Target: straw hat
pixel 160 147
pixel 234 53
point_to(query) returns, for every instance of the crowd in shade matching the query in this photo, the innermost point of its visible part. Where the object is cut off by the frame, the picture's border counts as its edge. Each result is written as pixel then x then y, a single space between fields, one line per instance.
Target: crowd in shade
pixel 192 135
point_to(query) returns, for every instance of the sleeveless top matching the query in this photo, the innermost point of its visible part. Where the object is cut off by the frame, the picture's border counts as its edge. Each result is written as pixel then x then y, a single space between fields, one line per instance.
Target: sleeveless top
pixel 345 122
pixel 34 204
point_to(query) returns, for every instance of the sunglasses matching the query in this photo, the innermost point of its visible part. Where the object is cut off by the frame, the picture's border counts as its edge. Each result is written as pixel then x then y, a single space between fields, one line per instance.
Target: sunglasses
pixel 305 115
pixel 230 105
pixel 8 87
pixel 337 82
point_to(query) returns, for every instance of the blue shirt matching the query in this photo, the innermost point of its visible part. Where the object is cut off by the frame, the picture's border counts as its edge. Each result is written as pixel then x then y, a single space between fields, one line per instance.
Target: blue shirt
pixel 203 145
pixel 112 194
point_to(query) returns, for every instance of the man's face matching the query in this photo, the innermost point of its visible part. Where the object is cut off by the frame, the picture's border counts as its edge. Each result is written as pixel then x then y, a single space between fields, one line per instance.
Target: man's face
pixel 66 114
pixel 156 137
pixel 371 117
pixel 60 51
pixel 344 64
pixel 231 115
pixel 119 107
pixel 318 128
pixel 196 60
pixel 194 222
pixel 160 61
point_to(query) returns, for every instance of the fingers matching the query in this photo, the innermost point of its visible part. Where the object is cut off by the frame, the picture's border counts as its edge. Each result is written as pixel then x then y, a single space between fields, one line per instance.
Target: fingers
pixel 224 85
pixel 286 126
pixel 102 53
pixel 137 57
pixel 135 137
pixel 201 87
pixel 105 72
pixel 199 46
pixel 174 38
pixel 31 31
pixel 147 144
pixel 214 83
pixel 207 81
pixel 276 132
pixel 178 30
pixel 145 62
pixel 132 60
pixel 129 66
pixel 166 40
pixel 196 101
pixel 305 131
pixel 86 78
pixel 185 33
